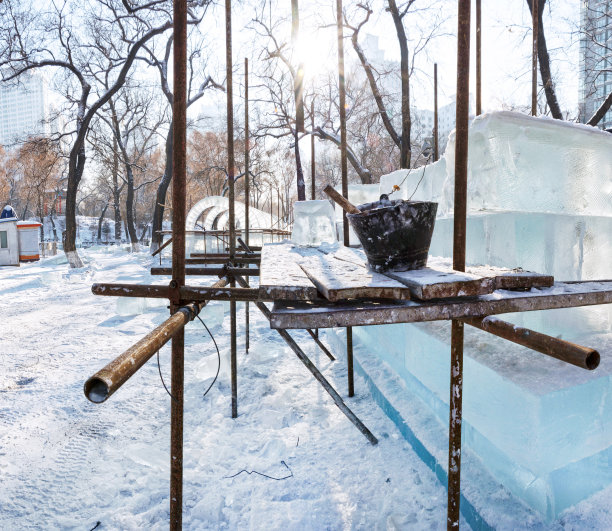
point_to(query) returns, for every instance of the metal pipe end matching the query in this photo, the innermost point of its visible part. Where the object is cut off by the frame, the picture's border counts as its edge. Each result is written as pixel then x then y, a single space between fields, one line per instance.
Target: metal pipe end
pixel 96 390
pixel 592 360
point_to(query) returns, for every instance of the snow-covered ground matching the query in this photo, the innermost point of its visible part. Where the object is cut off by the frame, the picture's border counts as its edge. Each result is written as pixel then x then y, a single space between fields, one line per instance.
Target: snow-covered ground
pixel 66 463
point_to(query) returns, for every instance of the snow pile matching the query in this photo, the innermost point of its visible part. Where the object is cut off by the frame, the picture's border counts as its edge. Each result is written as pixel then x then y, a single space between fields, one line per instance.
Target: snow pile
pixel 67 463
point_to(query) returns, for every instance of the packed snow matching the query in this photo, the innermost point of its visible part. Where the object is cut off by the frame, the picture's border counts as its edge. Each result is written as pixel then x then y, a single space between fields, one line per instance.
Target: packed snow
pixel 68 463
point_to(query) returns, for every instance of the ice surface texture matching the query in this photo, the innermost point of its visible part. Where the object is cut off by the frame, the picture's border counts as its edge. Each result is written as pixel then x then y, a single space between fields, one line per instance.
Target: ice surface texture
pixel 539 197
pixel 520 163
pixel 313 223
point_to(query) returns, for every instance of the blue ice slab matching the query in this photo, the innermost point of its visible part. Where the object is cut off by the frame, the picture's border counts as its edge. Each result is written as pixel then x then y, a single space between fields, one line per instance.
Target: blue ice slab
pixel 540 427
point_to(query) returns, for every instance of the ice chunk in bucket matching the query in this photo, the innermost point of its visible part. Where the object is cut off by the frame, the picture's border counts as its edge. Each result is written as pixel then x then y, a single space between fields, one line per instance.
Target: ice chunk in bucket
pixel 313 223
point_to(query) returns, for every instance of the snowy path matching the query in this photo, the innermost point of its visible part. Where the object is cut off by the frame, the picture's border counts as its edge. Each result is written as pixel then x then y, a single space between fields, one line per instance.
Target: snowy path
pixel 66 463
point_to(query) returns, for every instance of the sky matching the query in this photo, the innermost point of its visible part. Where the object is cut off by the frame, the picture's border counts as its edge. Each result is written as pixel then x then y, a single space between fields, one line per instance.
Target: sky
pixel 506 37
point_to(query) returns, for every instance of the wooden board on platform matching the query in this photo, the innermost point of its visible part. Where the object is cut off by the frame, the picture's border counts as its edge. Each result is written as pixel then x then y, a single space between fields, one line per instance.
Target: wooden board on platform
pixel 428 283
pixel 338 280
pixel 468 284
pixel 513 278
pixel 281 278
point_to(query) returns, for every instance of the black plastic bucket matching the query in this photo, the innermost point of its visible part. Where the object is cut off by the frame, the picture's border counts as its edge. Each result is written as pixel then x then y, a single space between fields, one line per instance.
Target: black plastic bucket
pixel 395 237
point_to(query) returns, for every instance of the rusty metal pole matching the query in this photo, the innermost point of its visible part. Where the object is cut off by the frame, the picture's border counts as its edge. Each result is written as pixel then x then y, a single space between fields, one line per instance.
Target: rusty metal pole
pixel 230 177
pixel 247 183
pixel 534 58
pixel 478 59
pixel 344 168
pixel 342 109
pixel 435 127
pixel 179 164
pixel 459 240
pixel 312 153
pixel 246 187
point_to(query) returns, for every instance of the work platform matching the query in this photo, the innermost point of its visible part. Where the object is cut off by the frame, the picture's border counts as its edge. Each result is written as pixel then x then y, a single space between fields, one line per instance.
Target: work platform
pixel 331 286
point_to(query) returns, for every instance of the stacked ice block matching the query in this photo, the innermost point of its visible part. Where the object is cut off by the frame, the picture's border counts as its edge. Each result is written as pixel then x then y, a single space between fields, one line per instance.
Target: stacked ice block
pixel 539 197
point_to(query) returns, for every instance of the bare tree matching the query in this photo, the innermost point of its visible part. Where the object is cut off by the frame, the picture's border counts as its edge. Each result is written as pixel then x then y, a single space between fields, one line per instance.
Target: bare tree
pixel 198 83
pixel 282 77
pixel 544 60
pixel 110 40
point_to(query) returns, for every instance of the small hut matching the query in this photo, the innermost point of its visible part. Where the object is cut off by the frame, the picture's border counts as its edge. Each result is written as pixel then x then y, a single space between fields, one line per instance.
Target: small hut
pixel 19 240
pixel 9 240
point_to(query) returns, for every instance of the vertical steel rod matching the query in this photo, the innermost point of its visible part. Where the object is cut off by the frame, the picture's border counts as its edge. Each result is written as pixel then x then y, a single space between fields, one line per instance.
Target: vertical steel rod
pixel 344 168
pixel 230 176
pixel 478 59
pixel 459 240
pixel 247 194
pixel 349 360
pixel 342 105
pixel 179 163
pixel 436 144
pixel 247 176
pixel 312 153
pixel 534 57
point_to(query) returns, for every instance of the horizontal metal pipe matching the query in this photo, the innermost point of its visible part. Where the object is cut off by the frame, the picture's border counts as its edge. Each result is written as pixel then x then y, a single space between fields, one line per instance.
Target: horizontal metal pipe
pixel 223 260
pixel 209 271
pixel 109 379
pixel 224 255
pixel 187 293
pixel 152 291
pixel 583 357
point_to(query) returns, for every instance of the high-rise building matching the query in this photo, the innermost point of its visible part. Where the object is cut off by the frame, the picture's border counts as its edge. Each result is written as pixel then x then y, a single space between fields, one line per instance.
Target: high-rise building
pixel 595 58
pixel 23 109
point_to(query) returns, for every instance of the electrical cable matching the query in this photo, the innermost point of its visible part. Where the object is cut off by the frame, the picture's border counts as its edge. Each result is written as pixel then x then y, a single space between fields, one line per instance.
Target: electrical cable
pixel 162 380
pixel 249 472
pixel 218 365
pixel 218 356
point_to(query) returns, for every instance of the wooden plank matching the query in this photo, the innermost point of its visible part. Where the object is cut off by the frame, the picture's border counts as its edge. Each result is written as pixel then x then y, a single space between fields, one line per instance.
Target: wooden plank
pixel 503 278
pixel 338 280
pixel 281 277
pixel 363 313
pixel 513 278
pixel 429 283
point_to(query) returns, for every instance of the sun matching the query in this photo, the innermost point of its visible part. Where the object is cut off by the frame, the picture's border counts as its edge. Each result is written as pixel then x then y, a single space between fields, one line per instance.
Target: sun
pixel 317 51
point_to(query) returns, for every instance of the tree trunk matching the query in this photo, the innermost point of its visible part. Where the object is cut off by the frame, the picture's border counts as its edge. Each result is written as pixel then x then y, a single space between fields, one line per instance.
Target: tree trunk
pixel 544 60
pixel 160 198
pixel 301 186
pixel 76 166
pixel 601 112
pixel 100 220
pixel 116 193
pixel 405 151
pixel 129 207
pixel 53 224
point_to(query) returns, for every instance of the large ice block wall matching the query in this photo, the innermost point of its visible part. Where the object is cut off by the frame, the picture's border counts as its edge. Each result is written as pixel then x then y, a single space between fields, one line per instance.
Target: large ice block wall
pixel 539 197
pixel 521 163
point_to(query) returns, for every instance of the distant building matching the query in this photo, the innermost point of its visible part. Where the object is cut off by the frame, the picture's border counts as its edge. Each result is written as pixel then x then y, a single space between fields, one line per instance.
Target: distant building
pixel 422 119
pixel 23 109
pixel 423 123
pixel 595 58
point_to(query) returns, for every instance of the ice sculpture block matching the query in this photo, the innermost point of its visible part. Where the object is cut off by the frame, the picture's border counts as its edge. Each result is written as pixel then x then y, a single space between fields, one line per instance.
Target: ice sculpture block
pixel 539 197
pixel 522 163
pixel 313 223
pixel 541 427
